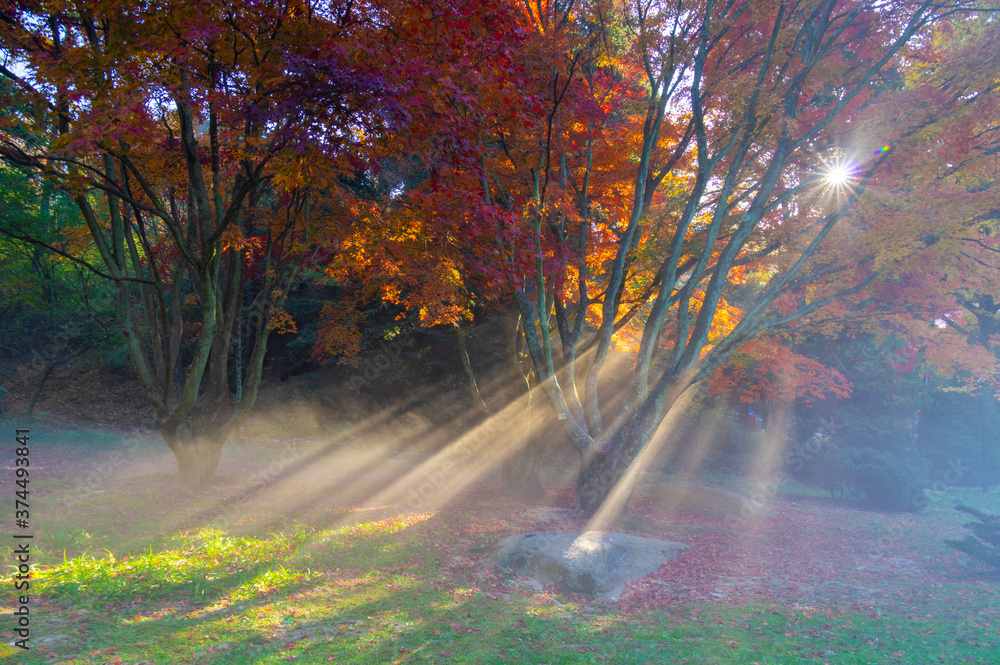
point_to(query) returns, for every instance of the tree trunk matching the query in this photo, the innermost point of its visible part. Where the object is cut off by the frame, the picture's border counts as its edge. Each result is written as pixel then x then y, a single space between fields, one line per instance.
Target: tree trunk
pixel 470 375
pixel 612 470
pixel 197 460
pixel 55 362
pixel 521 470
pixel 38 389
pixel 594 483
pixel 605 484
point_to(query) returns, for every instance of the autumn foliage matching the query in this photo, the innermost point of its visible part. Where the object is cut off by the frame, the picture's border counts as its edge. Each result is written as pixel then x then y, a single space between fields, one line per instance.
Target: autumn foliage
pixel 690 184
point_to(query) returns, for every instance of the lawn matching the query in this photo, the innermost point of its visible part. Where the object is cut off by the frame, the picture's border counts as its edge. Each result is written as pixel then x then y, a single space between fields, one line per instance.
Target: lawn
pixel 292 561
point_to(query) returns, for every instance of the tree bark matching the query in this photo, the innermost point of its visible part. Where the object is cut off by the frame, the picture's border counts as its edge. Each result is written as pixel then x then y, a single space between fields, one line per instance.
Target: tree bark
pixel 38 388
pixel 470 375
pixel 521 470
pixel 594 482
pixel 197 460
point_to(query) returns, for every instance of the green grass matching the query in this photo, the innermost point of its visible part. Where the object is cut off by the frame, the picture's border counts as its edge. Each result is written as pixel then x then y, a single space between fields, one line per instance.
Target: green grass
pixel 402 618
pixel 210 562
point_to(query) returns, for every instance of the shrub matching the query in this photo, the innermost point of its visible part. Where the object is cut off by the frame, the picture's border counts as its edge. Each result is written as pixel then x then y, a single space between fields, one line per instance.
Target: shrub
pixel 877 478
pixel 819 463
pixel 882 480
pixel 984 543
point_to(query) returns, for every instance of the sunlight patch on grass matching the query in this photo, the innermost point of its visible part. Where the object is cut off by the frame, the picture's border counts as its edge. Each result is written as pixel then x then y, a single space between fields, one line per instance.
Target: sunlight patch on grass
pixel 198 560
pixel 389 525
pixel 210 560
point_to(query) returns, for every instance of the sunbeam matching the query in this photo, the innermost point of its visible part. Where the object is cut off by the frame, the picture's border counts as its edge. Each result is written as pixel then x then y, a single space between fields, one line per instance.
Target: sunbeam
pixel 618 498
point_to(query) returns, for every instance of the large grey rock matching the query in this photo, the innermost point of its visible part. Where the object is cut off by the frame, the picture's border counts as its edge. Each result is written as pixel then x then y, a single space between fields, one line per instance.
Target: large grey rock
pixel 594 562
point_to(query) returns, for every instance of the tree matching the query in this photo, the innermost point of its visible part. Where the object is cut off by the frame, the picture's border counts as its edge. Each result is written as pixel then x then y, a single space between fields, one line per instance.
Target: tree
pixel 487 151
pixel 420 242
pixel 203 146
pixel 952 182
pixel 749 155
pixel 52 309
pixel 430 242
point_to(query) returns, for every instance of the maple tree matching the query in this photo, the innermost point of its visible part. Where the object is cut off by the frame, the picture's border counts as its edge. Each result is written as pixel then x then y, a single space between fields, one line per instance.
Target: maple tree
pixel 451 231
pixel 420 214
pixel 671 180
pixel 931 225
pixel 961 91
pixel 936 211
pixel 202 144
pixel 746 130
pixel 939 204
pixel 429 240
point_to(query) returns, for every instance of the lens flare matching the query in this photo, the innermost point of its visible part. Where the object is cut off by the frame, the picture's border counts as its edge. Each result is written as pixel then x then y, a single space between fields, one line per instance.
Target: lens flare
pixel 839 174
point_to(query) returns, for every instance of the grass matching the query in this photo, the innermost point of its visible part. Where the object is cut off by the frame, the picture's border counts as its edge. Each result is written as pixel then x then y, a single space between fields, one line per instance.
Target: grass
pixel 117 582
pixel 212 562
pixel 54 434
pixel 286 614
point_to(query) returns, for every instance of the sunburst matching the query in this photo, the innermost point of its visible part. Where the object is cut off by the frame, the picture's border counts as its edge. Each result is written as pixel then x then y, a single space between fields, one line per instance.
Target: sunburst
pixel 839 174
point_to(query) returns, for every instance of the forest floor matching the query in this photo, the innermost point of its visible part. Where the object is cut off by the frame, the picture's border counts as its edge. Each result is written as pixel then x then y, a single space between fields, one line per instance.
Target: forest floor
pixel 316 551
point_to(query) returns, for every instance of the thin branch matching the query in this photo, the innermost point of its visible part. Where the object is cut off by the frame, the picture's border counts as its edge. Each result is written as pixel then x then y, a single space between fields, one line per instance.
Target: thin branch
pixel 86 264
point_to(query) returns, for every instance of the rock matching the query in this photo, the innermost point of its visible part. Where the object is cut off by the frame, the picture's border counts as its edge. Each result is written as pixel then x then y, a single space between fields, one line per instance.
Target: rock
pixel 534 585
pixel 592 563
